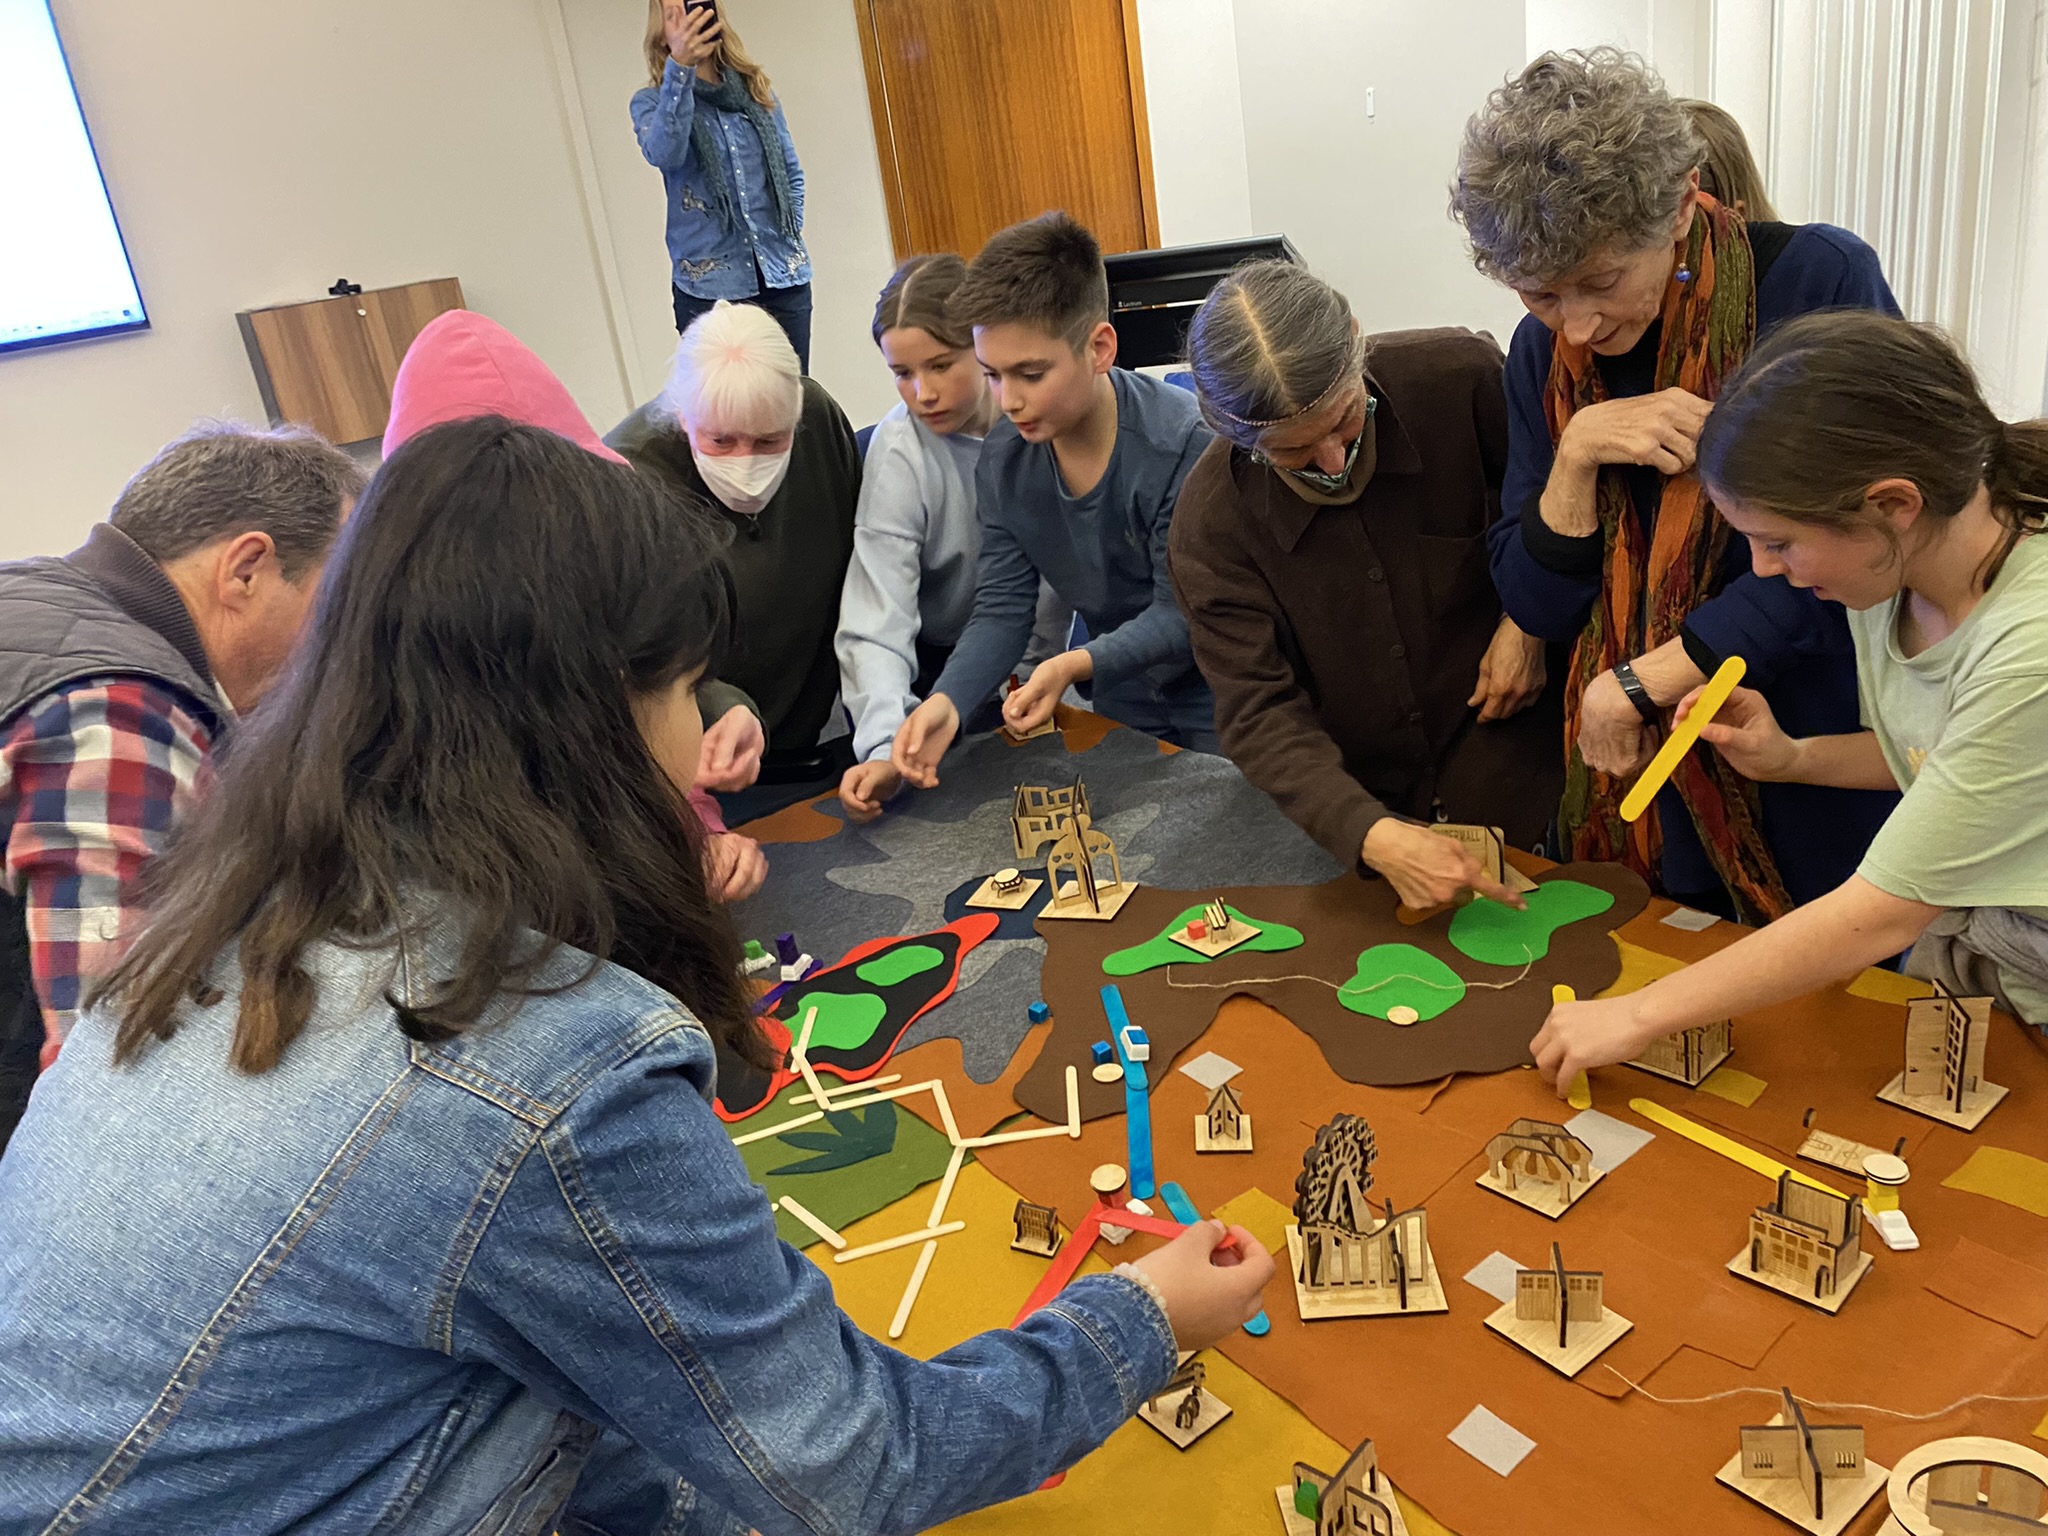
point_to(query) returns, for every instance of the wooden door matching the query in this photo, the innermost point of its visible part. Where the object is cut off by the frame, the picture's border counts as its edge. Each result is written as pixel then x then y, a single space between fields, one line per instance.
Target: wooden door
pixel 991 111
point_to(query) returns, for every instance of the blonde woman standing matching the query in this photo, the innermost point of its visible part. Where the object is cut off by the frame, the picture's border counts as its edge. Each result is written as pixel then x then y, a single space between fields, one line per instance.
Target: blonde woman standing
pixel 708 121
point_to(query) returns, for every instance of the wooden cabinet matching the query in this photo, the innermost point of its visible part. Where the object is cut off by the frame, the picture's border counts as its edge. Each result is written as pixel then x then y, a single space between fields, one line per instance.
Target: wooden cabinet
pixel 329 365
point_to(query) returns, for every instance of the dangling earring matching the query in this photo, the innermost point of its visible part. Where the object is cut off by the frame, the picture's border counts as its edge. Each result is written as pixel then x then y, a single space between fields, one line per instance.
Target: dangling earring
pixel 1684 273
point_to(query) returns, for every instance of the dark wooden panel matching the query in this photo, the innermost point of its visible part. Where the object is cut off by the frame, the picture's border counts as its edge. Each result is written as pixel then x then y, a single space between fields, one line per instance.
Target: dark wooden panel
pixel 329 364
pixel 992 111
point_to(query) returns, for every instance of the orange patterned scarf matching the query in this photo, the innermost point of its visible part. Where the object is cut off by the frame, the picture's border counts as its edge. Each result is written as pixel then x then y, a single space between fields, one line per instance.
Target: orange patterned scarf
pixel 1709 324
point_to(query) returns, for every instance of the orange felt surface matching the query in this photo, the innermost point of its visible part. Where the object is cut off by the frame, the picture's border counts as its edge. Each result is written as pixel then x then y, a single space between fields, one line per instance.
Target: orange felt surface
pixel 1662 1226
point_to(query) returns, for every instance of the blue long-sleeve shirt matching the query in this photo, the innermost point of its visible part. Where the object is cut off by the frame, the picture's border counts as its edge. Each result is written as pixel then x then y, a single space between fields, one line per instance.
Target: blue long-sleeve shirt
pixel 711 261
pixel 1105 552
pixel 1797 647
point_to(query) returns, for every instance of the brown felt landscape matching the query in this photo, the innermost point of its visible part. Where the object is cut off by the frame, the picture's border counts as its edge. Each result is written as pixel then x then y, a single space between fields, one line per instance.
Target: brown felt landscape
pixel 1489 1031
pixel 1661 1226
pixel 1985 1281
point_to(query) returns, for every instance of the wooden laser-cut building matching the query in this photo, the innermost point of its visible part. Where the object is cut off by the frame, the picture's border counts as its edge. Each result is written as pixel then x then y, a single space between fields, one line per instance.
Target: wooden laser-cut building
pixel 1813 1475
pixel 1348 1260
pixel 1808 1243
pixel 1943 1076
pixel 1038 815
pixel 1540 1164
pixel 1690 1055
pixel 1357 1501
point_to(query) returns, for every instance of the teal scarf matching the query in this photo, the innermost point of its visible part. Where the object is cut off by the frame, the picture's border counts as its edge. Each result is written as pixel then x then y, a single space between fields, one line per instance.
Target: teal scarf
pixel 731 95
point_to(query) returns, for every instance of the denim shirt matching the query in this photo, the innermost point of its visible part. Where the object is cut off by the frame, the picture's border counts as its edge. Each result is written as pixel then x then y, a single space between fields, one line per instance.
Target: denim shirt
pixel 515 1282
pixel 711 261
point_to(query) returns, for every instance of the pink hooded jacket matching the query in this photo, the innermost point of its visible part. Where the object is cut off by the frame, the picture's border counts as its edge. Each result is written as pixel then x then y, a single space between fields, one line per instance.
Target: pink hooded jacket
pixel 465 365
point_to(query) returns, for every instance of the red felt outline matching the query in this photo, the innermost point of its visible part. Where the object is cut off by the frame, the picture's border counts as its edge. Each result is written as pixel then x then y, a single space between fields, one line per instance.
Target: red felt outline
pixel 970 930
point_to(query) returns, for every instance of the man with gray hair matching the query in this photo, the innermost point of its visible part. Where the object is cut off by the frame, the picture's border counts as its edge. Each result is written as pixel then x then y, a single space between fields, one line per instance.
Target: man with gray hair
pixel 120 666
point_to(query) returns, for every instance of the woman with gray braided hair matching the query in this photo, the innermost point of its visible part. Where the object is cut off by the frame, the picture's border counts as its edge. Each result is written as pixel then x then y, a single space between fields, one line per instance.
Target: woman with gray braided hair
pixel 1579 186
pixel 1329 552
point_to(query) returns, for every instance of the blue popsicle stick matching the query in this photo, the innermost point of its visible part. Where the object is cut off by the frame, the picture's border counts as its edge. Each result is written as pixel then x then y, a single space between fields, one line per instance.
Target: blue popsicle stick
pixel 1183 1211
pixel 1137 1104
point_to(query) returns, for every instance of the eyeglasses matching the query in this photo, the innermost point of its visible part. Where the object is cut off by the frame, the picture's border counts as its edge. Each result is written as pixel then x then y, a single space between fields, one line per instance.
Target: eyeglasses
pixel 1321 480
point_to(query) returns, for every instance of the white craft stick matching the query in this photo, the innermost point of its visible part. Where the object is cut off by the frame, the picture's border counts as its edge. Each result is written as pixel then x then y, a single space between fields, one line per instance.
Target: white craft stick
pixel 803 1215
pixel 836 1104
pixel 945 1111
pixel 803 1061
pixel 946 1187
pixel 861 1086
pixel 1006 1136
pixel 1073 1102
pixel 902 1318
pixel 904 1241
pixel 776 1130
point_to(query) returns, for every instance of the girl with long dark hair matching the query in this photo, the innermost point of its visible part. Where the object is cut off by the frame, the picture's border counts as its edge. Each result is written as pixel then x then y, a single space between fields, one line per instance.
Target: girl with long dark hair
pixel 381 1190
pixel 1856 455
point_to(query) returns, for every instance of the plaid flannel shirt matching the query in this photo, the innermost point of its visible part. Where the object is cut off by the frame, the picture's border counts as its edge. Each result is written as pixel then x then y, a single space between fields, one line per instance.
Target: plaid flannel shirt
pixel 91 778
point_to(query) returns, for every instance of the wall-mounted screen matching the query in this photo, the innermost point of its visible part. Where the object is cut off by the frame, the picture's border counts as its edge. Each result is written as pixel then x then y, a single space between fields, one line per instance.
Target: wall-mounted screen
pixel 64 272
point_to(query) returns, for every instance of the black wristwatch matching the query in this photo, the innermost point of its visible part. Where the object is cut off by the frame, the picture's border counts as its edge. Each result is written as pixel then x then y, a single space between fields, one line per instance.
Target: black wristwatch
pixel 1638 695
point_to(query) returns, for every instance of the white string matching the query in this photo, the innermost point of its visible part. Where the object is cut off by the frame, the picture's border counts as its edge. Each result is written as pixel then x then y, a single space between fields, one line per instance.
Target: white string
pixel 1347 990
pixel 1815 1402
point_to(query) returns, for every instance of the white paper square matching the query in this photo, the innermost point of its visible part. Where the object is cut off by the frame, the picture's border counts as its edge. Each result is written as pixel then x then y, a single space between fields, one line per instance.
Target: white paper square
pixel 1212 1071
pixel 1689 920
pixel 1492 1441
pixel 1495 1275
pixel 1613 1142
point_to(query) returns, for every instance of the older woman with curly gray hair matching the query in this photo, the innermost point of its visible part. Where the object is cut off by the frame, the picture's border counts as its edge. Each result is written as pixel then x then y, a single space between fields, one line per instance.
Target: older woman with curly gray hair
pixel 1579 187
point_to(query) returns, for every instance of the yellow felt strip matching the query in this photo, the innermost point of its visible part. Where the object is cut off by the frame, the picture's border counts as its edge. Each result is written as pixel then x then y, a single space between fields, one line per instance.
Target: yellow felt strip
pixel 1734 1086
pixel 2013 1177
pixel 1682 737
pixel 1889 987
pixel 1714 1141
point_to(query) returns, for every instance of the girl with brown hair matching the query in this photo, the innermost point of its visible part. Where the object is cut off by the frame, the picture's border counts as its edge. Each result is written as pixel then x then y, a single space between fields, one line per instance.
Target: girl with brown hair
pixel 405 1208
pixel 910 585
pixel 1856 455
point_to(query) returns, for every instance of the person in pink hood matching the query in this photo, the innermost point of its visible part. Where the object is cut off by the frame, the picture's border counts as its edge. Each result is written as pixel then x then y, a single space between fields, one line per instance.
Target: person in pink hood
pixel 465 365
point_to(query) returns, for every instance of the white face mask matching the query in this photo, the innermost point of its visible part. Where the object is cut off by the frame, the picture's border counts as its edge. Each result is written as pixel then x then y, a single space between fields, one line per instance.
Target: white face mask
pixel 745 482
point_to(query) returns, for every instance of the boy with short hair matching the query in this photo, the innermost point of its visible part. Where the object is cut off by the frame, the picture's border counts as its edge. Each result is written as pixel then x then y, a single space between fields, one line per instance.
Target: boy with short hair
pixel 1076 484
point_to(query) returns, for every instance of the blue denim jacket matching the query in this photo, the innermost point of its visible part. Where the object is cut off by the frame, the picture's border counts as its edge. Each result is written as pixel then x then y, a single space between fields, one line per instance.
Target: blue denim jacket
pixel 711 261
pixel 512 1283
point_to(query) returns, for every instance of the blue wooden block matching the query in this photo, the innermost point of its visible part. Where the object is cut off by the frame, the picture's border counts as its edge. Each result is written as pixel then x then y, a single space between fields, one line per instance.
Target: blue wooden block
pixel 1102 1052
pixel 1038 1013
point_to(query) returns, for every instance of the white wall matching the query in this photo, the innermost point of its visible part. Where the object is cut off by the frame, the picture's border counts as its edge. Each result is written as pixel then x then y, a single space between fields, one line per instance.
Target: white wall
pixel 1195 108
pixel 256 151
pixel 812 54
pixel 1365 198
pixel 1671 34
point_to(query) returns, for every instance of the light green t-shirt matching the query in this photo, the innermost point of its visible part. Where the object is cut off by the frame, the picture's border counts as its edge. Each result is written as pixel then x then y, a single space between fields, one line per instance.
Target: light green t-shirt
pixel 1964 726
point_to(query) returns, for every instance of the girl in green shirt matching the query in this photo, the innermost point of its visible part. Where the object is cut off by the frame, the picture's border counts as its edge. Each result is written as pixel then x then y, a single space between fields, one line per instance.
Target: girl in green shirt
pixel 1856 454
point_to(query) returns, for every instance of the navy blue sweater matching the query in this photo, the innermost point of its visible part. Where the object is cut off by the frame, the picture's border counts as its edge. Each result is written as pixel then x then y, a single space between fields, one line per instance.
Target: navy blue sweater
pixel 1797 647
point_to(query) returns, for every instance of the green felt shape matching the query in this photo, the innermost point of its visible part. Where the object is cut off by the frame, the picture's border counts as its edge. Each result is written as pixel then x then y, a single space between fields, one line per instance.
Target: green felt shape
pixel 899 965
pixel 851 1136
pixel 1163 950
pixel 838 1196
pixel 846 1020
pixel 1400 975
pixel 1493 934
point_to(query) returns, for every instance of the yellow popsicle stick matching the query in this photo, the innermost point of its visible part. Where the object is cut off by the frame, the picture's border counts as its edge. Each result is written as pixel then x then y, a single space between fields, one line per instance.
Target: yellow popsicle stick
pixel 1680 741
pixel 1714 1141
pixel 1580 1095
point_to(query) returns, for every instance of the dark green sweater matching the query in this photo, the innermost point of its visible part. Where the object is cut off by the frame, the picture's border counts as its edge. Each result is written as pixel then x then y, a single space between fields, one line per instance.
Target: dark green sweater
pixel 788 561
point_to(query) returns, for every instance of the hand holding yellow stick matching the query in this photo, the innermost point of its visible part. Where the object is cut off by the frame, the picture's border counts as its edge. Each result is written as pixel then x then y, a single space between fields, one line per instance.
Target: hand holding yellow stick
pixel 1581 1095
pixel 1682 737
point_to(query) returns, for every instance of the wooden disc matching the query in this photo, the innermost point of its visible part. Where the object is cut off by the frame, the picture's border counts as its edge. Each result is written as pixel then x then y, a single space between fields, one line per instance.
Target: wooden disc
pixel 1403 1015
pixel 1107 1178
pixel 1108 1072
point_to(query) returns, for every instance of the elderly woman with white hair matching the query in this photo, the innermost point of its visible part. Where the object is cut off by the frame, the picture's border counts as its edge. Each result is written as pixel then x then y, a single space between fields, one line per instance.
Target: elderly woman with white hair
pixel 1329 551
pixel 1579 186
pixel 739 427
